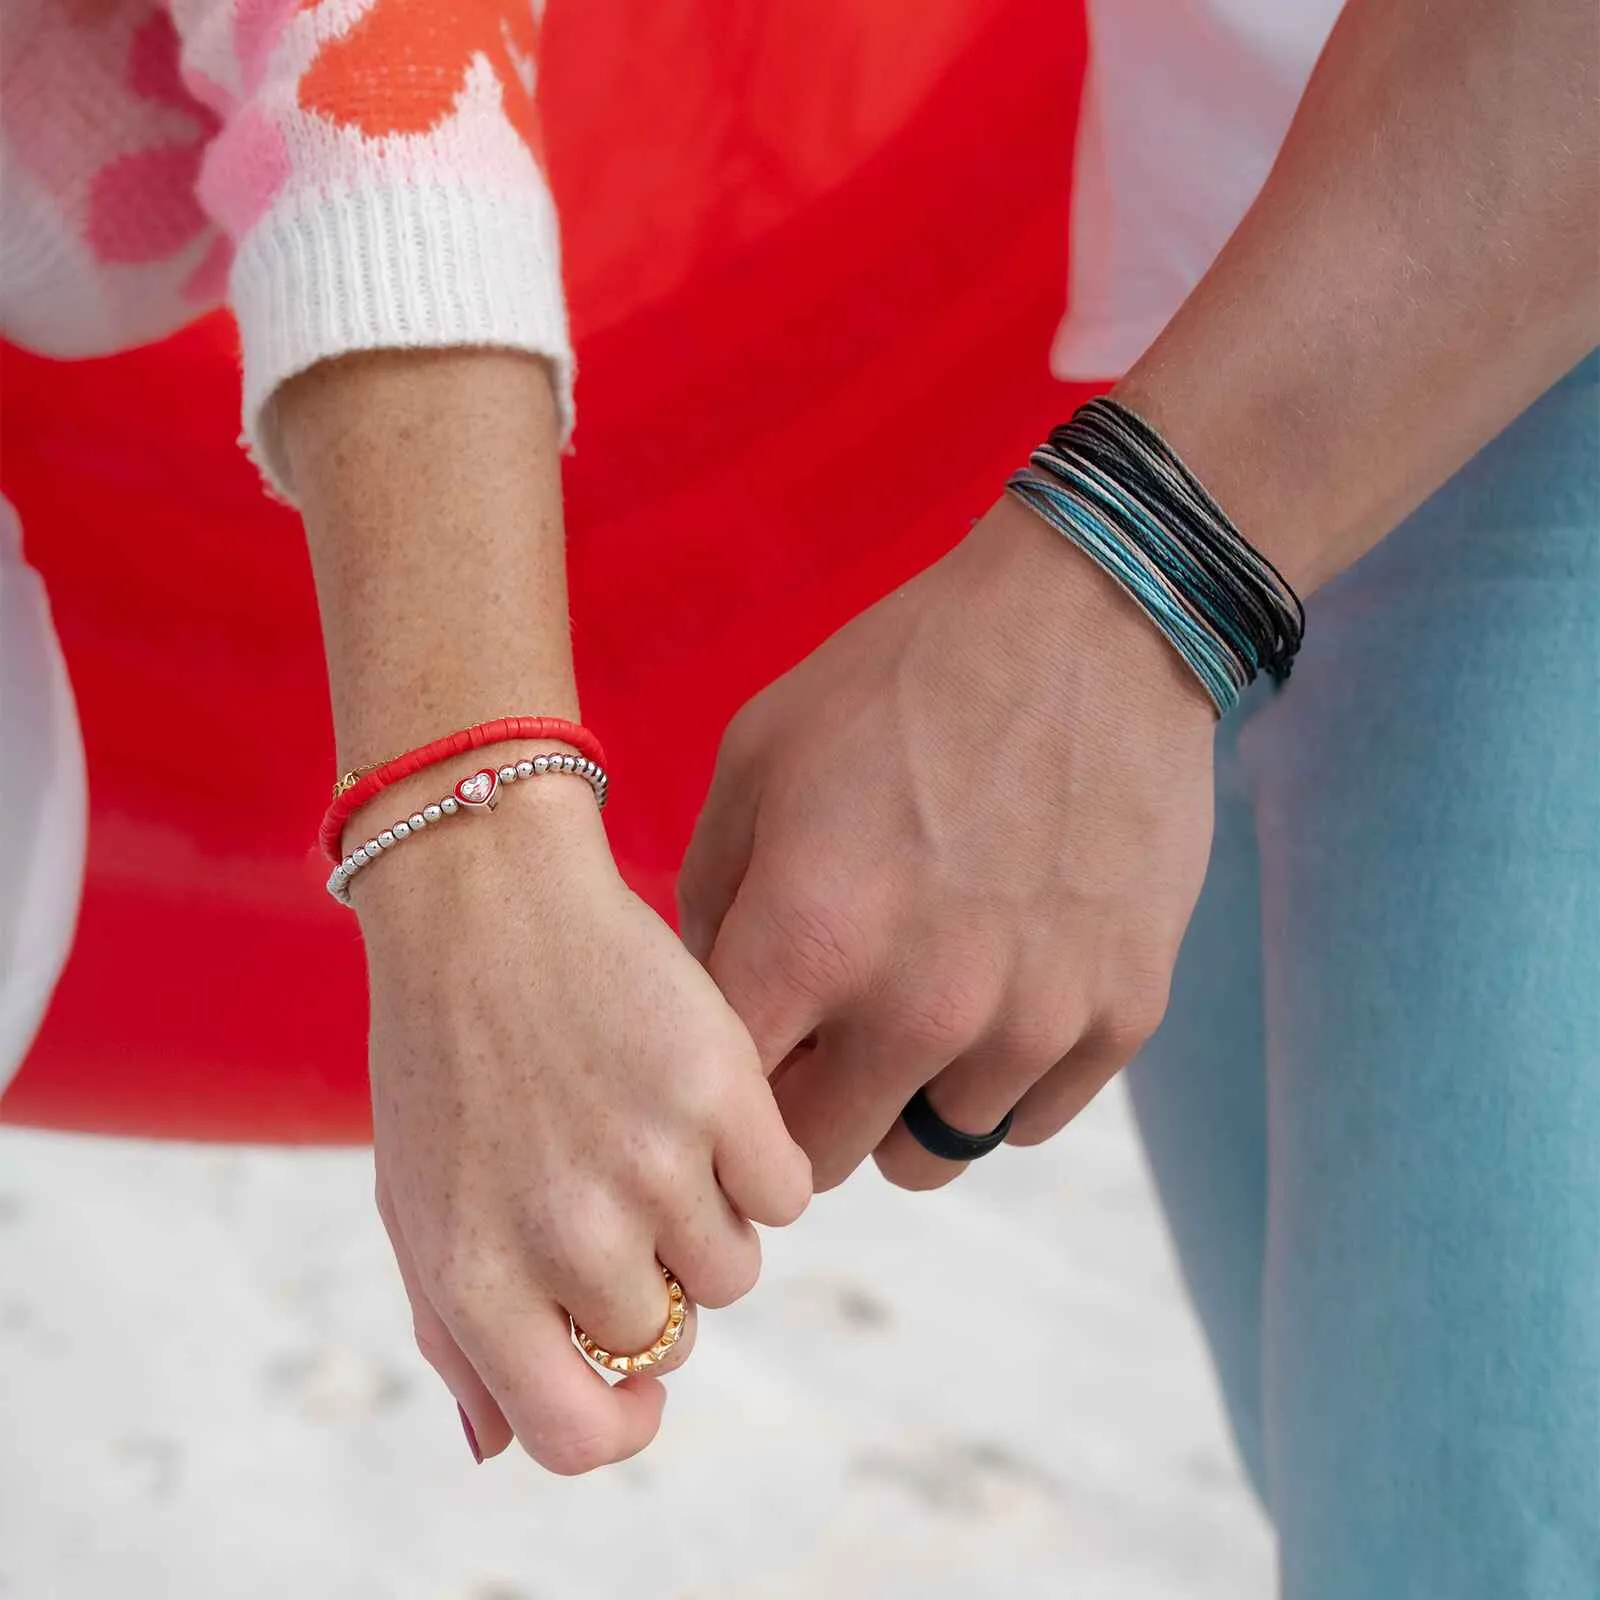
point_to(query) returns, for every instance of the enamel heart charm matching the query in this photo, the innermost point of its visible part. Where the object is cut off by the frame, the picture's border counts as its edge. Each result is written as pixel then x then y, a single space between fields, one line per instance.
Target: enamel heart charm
pixel 480 791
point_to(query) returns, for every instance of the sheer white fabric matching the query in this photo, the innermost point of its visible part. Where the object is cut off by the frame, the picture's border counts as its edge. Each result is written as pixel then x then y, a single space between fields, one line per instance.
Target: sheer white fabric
pixel 43 799
pixel 1185 106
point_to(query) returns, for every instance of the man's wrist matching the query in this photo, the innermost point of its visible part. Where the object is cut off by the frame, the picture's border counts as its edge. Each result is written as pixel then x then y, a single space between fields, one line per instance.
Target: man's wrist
pixel 1072 618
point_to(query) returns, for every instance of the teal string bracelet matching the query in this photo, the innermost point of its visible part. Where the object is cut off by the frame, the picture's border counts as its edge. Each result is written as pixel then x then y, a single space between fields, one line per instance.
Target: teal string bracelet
pixel 1122 562
pixel 1110 484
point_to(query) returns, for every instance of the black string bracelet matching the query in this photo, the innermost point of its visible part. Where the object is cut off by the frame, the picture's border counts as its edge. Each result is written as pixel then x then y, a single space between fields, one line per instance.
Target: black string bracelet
pixel 1109 482
pixel 1251 593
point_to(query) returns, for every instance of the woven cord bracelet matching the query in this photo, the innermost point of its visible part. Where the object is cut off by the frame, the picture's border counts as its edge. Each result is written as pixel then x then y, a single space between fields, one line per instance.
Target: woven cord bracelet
pixel 1144 584
pixel 1239 581
pixel 1110 484
pixel 480 791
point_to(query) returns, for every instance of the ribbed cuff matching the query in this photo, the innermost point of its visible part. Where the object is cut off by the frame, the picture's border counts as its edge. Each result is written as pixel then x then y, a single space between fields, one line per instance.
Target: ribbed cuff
pixel 394 267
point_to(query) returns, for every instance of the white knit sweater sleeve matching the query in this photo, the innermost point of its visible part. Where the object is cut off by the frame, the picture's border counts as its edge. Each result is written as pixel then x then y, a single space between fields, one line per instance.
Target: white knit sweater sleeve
pixel 379 171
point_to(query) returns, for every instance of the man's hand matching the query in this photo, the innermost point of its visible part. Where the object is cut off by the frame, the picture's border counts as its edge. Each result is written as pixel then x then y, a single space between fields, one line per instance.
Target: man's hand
pixel 958 846
pixel 961 842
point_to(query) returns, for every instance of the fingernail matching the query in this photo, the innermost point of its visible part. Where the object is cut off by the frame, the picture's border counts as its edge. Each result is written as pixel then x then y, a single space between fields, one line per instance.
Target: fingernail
pixel 472 1438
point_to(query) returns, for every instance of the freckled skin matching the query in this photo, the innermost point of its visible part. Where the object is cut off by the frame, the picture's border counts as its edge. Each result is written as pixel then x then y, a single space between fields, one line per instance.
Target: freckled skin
pixel 561 1096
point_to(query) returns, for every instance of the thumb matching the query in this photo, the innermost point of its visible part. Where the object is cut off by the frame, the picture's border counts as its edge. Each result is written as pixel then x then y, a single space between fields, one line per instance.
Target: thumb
pixel 715 863
pixel 748 964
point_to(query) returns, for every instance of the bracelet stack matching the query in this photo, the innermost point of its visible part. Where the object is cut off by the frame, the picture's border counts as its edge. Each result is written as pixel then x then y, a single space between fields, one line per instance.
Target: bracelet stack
pixel 356 789
pixel 478 791
pixel 1109 483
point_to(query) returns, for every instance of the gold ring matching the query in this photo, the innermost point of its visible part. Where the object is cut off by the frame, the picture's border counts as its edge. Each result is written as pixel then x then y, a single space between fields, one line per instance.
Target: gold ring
pixel 677 1313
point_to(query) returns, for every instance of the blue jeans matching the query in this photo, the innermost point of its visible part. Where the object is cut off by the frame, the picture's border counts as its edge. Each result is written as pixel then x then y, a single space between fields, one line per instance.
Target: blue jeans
pixel 1373 1110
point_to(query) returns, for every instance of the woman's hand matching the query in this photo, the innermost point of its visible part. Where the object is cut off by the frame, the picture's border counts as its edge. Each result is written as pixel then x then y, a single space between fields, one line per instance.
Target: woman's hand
pixel 959 845
pixel 561 1100
pixel 561 1097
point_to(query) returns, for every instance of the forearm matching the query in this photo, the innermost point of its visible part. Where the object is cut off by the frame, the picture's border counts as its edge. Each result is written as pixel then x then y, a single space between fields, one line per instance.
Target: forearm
pixel 430 486
pixel 1423 262
pixel 561 1099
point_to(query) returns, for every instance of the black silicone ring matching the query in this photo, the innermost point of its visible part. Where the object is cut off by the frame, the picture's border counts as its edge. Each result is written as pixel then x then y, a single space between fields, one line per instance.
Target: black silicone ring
pixel 938 1138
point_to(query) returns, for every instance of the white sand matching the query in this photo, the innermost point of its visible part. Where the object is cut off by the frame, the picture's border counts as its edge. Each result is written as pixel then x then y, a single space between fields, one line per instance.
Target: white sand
pixel 208 1392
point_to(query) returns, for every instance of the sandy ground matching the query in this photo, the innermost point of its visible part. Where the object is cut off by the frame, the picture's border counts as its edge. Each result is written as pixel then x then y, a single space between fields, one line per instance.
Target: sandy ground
pixel 208 1392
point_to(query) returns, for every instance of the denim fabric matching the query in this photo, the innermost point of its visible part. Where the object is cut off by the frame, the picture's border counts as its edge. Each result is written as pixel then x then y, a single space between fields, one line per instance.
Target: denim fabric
pixel 1373 1110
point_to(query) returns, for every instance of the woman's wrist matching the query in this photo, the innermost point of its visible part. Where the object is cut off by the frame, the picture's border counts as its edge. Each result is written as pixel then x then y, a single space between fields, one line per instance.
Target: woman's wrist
pixel 546 829
pixel 417 791
pixel 431 492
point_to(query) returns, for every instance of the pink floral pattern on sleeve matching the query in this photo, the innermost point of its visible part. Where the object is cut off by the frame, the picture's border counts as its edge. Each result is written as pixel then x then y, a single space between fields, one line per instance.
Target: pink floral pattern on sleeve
pixel 295 150
pixel 101 226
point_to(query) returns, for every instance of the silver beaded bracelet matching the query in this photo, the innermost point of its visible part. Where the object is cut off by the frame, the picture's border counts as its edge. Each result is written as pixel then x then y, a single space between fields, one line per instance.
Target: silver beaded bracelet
pixel 478 792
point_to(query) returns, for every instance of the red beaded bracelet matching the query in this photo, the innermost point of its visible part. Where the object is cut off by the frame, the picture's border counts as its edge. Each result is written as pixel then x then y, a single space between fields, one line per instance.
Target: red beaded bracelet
pixel 355 789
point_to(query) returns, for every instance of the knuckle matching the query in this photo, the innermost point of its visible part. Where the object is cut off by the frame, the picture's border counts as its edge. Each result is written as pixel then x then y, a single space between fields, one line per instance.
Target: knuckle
pixel 724 1281
pixel 654 1166
pixel 819 946
pixel 832 1170
pixel 1134 1021
pixel 788 1197
pixel 704 1087
pixel 660 1179
pixel 1032 1124
pixel 1035 1040
pixel 597 1265
pixel 780 1173
pixel 906 1172
pixel 945 1017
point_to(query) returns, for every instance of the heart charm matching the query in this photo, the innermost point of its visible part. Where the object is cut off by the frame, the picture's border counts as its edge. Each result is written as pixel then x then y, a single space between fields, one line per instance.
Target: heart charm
pixel 480 789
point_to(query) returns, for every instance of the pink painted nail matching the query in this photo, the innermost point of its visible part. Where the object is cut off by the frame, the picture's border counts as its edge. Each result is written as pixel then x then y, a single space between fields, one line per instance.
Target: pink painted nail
pixel 472 1438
